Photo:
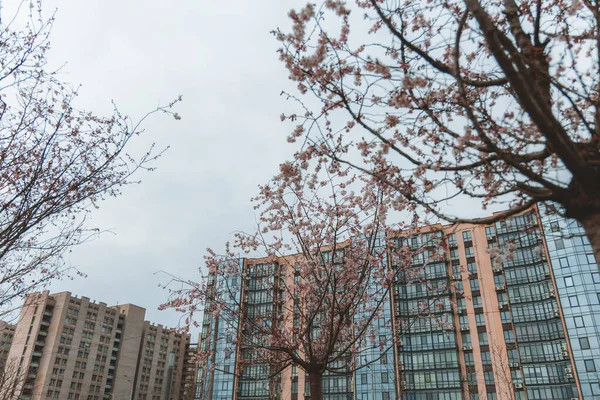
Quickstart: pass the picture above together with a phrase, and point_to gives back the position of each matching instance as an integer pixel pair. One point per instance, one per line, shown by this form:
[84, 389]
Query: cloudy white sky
[140, 53]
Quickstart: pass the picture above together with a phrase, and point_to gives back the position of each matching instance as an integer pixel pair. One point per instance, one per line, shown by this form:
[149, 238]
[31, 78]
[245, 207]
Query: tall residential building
[525, 326]
[75, 349]
[7, 331]
[161, 362]
[190, 372]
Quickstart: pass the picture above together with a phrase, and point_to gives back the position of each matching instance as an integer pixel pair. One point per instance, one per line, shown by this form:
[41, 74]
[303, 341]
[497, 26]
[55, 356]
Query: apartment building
[522, 326]
[161, 363]
[7, 332]
[73, 348]
[190, 372]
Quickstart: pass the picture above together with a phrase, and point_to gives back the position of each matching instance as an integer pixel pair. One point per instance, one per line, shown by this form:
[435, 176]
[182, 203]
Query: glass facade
[217, 379]
[261, 306]
[506, 311]
[578, 288]
[539, 368]
[428, 353]
[375, 377]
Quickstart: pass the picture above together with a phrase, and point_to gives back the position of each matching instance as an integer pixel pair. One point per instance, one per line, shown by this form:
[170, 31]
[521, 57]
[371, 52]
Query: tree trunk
[591, 224]
[316, 385]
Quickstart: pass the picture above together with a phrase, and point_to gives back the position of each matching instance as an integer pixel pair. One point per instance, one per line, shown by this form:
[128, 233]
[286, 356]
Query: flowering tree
[497, 101]
[319, 294]
[56, 162]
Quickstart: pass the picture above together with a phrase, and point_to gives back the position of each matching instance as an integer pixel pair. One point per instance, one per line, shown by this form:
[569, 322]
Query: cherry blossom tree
[56, 162]
[326, 260]
[497, 101]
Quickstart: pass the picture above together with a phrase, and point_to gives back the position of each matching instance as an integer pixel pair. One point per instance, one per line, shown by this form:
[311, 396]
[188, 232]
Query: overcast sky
[221, 57]
[140, 53]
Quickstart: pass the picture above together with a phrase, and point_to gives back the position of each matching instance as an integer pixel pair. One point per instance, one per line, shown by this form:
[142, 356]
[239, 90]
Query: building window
[469, 252]
[568, 281]
[461, 304]
[596, 277]
[474, 284]
[472, 267]
[469, 359]
[454, 254]
[467, 236]
[584, 343]
[452, 240]
[489, 377]
[483, 338]
[590, 366]
[578, 322]
[466, 339]
[384, 377]
[564, 262]
[486, 358]
[559, 244]
[573, 302]
[509, 336]
[464, 321]
[479, 319]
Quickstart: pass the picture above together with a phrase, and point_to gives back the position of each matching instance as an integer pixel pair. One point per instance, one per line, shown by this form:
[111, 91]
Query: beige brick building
[190, 373]
[161, 354]
[75, 349]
